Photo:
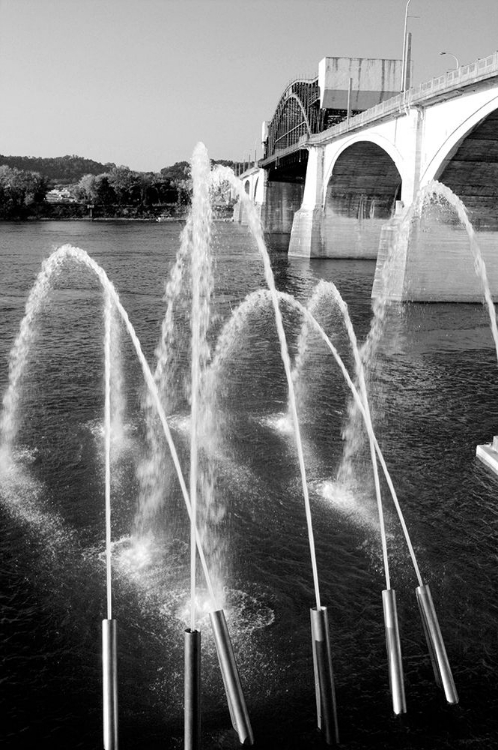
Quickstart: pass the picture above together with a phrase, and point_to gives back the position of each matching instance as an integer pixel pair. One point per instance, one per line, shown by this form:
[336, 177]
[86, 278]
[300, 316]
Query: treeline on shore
[71, 187]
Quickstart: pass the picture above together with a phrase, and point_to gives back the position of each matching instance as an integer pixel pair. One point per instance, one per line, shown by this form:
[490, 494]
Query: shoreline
[164, 220]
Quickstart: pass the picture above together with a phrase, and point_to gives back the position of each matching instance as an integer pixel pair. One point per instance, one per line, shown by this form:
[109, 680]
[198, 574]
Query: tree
[20, 191]
[124, 182]
[86, 189]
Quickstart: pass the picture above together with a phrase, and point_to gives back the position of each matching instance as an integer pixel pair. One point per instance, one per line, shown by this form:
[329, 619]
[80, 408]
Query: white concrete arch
[447, 149]
[335, 150]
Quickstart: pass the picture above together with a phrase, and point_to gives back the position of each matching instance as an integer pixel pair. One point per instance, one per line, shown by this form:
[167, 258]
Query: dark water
[434, 391]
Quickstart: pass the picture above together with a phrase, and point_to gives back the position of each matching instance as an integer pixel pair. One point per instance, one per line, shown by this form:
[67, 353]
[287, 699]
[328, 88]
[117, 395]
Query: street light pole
[403, 64]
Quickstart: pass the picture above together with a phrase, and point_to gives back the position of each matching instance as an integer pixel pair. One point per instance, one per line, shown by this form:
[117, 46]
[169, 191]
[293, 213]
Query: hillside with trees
[61, 170]
[73, 187]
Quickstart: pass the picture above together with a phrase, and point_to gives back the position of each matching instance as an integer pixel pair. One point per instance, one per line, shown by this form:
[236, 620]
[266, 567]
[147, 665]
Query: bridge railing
[483, 68]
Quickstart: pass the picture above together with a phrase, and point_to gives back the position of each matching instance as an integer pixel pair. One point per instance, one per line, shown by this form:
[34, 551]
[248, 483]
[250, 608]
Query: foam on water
[21, 494]
[349, 503]
[281, 422]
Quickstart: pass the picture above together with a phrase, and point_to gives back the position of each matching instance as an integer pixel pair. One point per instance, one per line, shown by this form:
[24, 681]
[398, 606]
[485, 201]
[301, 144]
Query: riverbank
[78, 212]
[97, 219]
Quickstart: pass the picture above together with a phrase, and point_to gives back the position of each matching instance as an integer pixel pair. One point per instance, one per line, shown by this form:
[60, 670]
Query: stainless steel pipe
[393, 646]
[326, 707]
[110, 684]
[192, 690]
[437, 650]
[231, 679]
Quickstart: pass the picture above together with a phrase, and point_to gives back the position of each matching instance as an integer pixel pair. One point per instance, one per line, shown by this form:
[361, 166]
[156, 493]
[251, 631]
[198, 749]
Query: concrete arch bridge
[342, 187]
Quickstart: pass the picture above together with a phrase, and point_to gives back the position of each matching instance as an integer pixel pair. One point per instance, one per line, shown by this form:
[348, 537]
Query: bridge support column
[426, 259]
[306, 234]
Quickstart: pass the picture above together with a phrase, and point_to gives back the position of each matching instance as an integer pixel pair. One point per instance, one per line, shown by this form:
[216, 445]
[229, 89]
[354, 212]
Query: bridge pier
[431, 261]
[306, 235]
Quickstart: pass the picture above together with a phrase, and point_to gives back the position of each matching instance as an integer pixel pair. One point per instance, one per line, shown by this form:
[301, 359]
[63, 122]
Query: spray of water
[20, 351]
[9, 422]
[202, 286]
[226, 174]
[230, 335]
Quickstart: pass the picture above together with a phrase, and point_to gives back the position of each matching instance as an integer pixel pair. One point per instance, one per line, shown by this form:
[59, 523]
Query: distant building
[60, 195]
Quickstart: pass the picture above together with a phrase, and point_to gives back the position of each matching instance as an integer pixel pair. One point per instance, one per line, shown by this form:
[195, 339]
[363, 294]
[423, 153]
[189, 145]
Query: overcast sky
[140, 82]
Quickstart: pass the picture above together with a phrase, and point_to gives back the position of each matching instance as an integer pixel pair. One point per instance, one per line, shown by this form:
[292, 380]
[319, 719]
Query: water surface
[433, 393]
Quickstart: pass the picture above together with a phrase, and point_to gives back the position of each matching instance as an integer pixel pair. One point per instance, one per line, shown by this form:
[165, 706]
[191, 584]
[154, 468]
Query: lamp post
[453, 56]
[403, 61]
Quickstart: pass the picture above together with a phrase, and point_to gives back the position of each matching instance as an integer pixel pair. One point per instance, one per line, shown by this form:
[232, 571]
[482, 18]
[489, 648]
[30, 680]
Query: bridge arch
[363, 179]
[467, 163]
[447, 149]
[296, 115]
[291, 122]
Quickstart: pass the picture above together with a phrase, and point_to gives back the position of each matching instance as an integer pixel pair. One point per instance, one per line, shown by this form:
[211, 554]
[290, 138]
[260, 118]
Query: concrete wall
[373, 81]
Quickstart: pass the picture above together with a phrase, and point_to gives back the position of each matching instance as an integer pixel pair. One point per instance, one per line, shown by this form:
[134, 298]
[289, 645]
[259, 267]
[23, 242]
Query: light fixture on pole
[453, 56]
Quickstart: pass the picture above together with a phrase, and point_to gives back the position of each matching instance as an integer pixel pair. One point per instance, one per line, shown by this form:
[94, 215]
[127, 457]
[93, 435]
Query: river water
[433, 389]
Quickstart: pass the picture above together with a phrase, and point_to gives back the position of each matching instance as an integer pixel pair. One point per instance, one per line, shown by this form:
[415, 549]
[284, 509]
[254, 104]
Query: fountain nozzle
[231, 680]
[437, 651]
[324, 680]
[192, 690]
[110, 684]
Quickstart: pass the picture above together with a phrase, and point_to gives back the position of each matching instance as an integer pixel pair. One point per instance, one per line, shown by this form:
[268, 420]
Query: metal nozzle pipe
[192, 690]
[326, 708]
[393, 646]
[231, 680]
[437, 651]
[110, 684]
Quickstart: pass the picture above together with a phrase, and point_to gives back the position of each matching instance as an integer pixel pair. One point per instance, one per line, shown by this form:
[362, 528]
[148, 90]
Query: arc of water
[19, 354]
[360, 370]
[360, 402]
[320, 289]
[255, 225]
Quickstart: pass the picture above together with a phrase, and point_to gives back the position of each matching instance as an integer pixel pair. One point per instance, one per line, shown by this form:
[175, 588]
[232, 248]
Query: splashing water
[19, 355]
[224, 173]
[202, 286]
[9, 423]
